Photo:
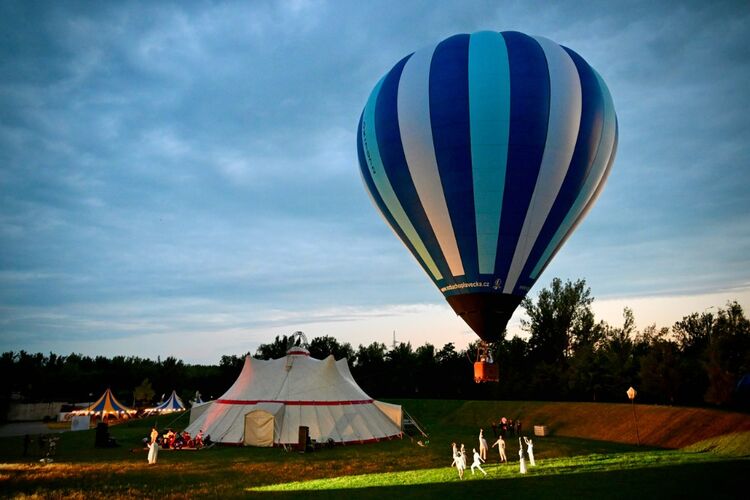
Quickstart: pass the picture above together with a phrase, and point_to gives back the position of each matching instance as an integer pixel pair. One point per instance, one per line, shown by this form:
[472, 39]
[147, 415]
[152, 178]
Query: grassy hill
[658, 426]
[576, 461]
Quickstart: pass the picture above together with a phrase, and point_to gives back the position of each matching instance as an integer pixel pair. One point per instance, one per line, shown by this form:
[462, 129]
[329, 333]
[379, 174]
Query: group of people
[507, 427]
[174, 441]
[459, 460]
[479, 457]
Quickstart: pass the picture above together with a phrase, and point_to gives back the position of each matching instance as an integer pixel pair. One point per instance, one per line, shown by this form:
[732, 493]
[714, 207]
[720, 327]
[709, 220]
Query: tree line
[567, 355]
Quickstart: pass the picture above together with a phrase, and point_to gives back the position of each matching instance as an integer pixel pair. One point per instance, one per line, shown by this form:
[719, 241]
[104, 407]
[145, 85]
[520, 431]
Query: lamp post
[631, 396]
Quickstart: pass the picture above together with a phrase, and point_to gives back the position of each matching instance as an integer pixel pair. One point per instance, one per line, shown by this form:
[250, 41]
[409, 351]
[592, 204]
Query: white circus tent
[271, 399]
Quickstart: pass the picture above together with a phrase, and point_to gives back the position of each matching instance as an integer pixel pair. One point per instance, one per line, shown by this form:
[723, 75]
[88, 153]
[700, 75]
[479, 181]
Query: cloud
[162, 159]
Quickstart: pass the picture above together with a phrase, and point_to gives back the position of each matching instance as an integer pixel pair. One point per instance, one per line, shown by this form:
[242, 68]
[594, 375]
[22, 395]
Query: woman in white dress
[521, 457]
[153, 447]
[530, 450]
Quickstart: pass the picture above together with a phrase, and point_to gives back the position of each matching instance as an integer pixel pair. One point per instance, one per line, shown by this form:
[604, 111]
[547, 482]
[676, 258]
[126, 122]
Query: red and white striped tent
[271, 399]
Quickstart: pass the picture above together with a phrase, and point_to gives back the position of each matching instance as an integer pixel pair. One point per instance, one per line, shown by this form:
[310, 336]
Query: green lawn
[567, 467]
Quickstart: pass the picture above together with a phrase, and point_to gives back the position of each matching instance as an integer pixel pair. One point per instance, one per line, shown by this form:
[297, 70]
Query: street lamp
[631, 396]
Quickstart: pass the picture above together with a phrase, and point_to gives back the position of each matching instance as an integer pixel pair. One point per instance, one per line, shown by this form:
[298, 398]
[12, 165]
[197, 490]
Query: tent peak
[298, 351]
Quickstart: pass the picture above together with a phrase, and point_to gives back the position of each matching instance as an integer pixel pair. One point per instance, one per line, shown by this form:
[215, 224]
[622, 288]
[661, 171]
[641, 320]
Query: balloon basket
[486, 372]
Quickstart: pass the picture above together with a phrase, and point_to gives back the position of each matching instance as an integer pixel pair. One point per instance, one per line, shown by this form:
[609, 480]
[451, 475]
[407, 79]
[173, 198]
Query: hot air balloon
[483, 153]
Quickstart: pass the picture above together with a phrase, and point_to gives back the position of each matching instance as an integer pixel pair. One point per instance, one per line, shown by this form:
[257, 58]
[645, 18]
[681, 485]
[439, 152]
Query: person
[494, 428]
[500, 443]
[521, 457]
[519, 430]
[187, 440]
[169, 438]
[482, 445]
[199, 439]
[477, 463]
[153, 447]
[530, 450]
[458, 462]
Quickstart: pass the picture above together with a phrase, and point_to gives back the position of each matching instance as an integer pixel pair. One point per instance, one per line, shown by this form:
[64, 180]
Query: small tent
[172, 404]
[197, 410]
[272, 399]
[106, 406]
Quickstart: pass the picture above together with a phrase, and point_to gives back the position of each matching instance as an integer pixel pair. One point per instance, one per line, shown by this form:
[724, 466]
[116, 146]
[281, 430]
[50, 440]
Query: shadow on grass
[726, 480]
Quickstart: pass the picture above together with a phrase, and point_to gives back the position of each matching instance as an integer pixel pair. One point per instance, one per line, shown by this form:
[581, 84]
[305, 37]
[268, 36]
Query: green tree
[369, 368]
[322, 347]
[727, 355]
[560, 318]
[144, 393]
[661, 380]
[618, 360]
[276, 349]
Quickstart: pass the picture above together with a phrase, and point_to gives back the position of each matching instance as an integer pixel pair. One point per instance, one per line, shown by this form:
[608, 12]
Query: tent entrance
[259, 428]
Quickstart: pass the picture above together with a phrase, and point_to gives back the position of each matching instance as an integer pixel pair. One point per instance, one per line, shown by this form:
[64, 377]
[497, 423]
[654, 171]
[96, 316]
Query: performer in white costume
[530, 450]
[153, 447]
[482, 445]
[500, 443]
[521, 456]
[477, 463]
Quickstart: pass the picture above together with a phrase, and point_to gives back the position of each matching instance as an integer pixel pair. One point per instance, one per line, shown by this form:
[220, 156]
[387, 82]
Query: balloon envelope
[483, 153]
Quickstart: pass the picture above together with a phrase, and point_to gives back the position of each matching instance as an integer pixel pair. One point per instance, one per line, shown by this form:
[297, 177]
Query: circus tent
[272, 399]
[106, 405]
[172, 404]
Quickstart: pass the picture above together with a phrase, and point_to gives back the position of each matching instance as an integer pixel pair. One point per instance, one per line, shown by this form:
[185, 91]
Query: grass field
[569, 466]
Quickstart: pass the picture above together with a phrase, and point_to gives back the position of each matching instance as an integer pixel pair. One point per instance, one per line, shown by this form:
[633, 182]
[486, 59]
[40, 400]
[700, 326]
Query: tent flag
[296, 390]
[106, 405]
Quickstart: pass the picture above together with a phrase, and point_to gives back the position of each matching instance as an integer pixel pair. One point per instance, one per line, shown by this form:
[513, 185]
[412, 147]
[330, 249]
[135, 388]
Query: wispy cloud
[190, 169]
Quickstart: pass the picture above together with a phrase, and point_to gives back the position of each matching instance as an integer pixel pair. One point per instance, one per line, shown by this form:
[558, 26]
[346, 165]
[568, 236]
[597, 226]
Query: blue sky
[180, 178]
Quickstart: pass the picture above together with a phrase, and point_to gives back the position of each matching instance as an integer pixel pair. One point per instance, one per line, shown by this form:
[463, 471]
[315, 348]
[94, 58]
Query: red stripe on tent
[353, 441]
[294, 403]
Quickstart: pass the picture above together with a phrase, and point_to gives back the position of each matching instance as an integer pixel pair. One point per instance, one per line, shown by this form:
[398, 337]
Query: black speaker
[304, 434]
[102, 435]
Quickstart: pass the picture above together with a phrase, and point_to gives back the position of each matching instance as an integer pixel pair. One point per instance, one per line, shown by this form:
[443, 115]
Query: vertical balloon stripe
[489, 105]
[593, 180]
[529, 111]
[383, 185]
[377, 200]
[416, 139]
[589, 134]
[600, 186]
[394, 161]
[592, 200]
[562, 132]
[451, 136]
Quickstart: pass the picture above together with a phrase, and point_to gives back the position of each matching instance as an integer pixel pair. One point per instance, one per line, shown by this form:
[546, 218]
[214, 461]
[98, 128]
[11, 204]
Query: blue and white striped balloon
[483, 153]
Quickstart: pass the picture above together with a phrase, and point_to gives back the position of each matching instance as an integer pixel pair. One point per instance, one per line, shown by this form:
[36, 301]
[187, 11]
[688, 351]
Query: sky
[181, 178]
